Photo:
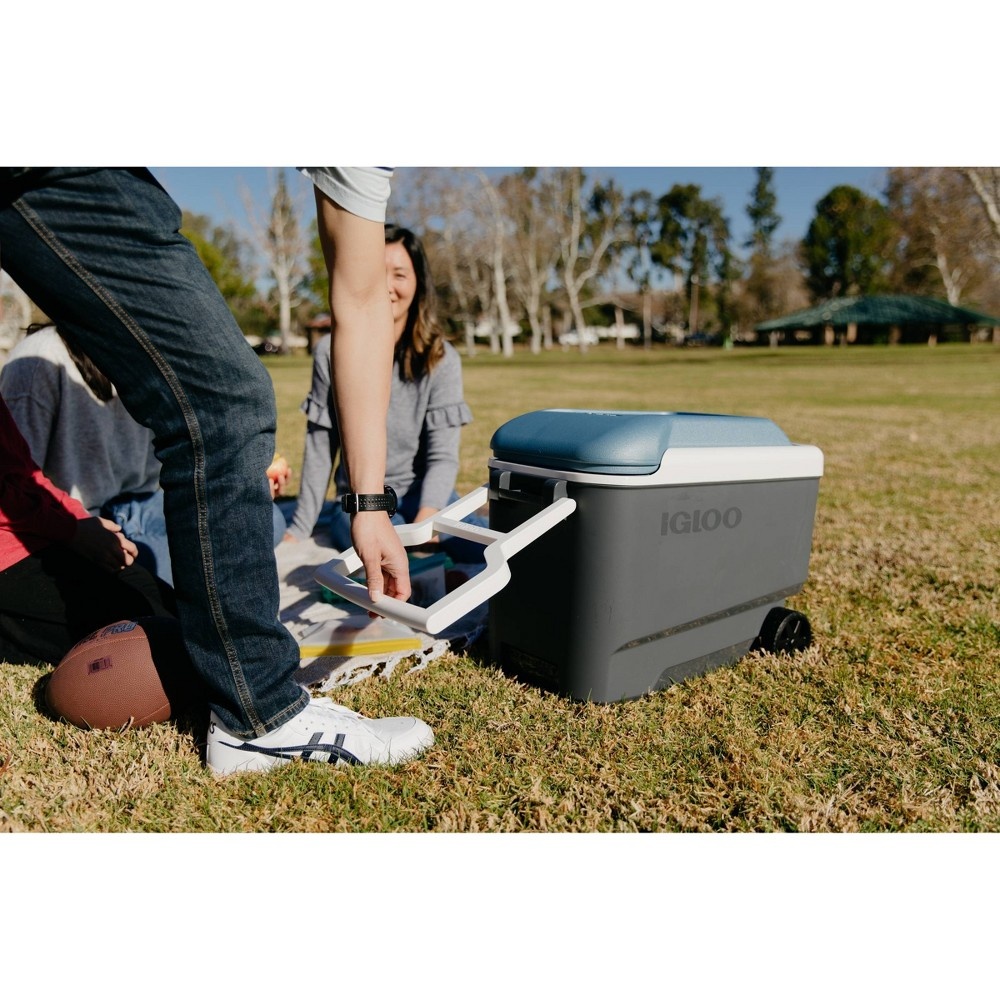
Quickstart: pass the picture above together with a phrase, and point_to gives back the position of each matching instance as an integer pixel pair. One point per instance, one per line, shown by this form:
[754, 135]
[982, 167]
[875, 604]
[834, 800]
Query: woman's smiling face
[401, 280]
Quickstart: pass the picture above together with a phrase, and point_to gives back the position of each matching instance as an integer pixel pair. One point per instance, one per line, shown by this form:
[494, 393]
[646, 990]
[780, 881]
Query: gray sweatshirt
[91, 449]
[424, 428]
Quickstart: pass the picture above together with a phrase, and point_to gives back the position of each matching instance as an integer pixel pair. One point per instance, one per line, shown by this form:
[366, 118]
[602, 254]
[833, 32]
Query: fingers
[102, 542]
[279, 472]
[380, 550]
[129, 549]
[127, 552]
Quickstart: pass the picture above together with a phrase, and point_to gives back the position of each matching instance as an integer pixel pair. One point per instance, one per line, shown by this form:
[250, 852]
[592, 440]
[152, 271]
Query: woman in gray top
[426, 412]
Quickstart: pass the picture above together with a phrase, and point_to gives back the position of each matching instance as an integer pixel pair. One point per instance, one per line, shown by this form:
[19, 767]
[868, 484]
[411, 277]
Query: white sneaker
[322, 731]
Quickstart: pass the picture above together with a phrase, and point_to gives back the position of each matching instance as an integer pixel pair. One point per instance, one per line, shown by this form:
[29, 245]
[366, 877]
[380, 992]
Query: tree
[847, 248]
[223, 253]
[764, 219]
[727, 270]
[497, 226]
[693, 239]
[761, 280]
[639, 265]
[782, 287]
[316, 283]
[437, 204]
[591, 227]
[985, 182]
[227, 258]
[529, 203]
[943, 239]
[283, 245]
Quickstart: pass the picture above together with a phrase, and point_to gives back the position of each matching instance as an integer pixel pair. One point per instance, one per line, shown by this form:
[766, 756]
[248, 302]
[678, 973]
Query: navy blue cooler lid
[622, 442]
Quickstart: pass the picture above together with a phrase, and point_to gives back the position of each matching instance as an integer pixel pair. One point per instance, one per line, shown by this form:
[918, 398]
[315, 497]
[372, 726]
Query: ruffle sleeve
[450, 415]
[318, 411]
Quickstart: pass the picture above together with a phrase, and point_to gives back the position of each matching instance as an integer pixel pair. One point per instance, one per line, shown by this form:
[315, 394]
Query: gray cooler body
[689, 530]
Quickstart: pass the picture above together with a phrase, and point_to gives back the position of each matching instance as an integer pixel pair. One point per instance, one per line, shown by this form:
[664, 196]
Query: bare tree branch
[283, 244]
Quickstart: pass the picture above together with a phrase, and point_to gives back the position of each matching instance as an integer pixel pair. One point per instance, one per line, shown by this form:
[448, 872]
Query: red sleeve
[33, 512]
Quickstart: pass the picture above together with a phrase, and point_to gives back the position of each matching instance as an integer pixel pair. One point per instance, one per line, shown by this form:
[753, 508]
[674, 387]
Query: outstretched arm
[362, 347]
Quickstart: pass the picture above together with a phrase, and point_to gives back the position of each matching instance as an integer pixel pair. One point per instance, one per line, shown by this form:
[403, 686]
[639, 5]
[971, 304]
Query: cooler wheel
[784, 631]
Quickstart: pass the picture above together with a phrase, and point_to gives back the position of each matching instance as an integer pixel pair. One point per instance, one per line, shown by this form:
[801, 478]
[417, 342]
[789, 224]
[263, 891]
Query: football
[128, 673]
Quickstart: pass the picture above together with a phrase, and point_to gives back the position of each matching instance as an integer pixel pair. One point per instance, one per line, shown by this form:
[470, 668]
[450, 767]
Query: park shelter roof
[879, 310]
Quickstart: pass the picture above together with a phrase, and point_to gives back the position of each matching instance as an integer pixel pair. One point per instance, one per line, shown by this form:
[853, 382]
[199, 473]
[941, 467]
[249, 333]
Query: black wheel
[784, 631]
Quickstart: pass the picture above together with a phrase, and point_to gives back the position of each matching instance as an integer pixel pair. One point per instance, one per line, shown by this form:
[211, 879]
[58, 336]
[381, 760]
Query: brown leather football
[128, 673]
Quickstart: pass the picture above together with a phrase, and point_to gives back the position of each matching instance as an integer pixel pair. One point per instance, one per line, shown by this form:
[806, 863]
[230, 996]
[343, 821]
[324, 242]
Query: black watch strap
[352, 503]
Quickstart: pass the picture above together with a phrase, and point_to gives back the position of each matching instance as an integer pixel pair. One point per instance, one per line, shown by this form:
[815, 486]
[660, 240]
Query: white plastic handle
[500, 546]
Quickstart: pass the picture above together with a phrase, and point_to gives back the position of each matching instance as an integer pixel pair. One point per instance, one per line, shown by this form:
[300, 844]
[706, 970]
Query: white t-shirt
[362, 191]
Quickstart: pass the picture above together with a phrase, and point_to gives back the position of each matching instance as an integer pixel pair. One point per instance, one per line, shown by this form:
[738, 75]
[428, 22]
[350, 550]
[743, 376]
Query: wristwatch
[353, 503]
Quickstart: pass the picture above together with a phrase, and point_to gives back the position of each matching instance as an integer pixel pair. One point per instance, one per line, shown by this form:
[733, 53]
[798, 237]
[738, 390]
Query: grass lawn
[888, 723]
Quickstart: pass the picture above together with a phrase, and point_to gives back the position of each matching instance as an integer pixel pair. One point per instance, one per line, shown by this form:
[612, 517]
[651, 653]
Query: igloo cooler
[627, 551]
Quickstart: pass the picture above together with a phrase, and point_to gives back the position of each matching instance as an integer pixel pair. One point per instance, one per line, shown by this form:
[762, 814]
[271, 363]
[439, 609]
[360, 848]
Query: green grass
[888, 723]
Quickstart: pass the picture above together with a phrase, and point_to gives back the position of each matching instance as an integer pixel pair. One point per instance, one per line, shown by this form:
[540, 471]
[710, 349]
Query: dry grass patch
[888, 723]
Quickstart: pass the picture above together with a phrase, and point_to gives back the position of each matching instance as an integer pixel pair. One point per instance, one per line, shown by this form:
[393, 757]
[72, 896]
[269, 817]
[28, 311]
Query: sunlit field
[887, 723]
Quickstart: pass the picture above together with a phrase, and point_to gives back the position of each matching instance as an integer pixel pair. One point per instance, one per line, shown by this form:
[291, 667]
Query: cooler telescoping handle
[500, 546]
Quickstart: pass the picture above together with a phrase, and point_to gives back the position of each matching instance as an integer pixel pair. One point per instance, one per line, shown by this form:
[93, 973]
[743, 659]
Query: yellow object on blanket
[358, 635]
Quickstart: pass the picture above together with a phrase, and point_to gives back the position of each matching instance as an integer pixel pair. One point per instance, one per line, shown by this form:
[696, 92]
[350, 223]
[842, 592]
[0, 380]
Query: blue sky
[216, 191]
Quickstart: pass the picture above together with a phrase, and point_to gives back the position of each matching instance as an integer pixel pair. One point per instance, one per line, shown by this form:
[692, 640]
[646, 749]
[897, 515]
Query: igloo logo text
[690, 522]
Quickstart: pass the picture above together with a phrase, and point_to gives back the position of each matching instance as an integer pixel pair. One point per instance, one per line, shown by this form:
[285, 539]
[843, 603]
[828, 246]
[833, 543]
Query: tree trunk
[979, 177]
[500, 283]
[536, 333]
[284, 309]
[693, 314]
[647, 320]
[577, 313]
[499, 274]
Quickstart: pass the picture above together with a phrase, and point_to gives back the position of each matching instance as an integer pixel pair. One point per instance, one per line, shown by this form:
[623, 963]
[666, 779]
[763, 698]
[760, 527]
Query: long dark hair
[421, 346]
[100, 385]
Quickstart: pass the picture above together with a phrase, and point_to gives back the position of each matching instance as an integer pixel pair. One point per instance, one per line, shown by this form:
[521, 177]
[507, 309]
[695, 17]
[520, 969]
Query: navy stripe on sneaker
[313, 741]
[335, 750]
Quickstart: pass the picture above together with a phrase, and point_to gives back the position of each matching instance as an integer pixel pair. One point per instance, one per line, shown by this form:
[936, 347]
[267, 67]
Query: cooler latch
[505, 485]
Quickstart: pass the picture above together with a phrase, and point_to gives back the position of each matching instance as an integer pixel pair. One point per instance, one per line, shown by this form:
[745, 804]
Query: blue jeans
[99, 251]
[140, 516]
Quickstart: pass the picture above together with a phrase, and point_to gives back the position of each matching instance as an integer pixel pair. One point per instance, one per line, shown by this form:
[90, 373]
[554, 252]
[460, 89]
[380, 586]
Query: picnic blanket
[305, 605]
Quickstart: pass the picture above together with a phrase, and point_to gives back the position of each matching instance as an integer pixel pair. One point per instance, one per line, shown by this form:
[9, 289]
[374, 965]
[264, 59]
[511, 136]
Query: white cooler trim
[696, 466]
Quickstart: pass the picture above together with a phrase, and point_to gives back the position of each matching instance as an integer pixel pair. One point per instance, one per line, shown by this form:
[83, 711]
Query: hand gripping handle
[500, 546]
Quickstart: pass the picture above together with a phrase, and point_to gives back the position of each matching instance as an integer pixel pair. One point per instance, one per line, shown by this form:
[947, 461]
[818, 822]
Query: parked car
[701, 339]
[572, 339]
[267, 345]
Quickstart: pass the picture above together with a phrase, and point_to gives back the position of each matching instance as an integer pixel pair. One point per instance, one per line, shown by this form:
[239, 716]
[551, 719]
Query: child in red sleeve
[63, 573]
